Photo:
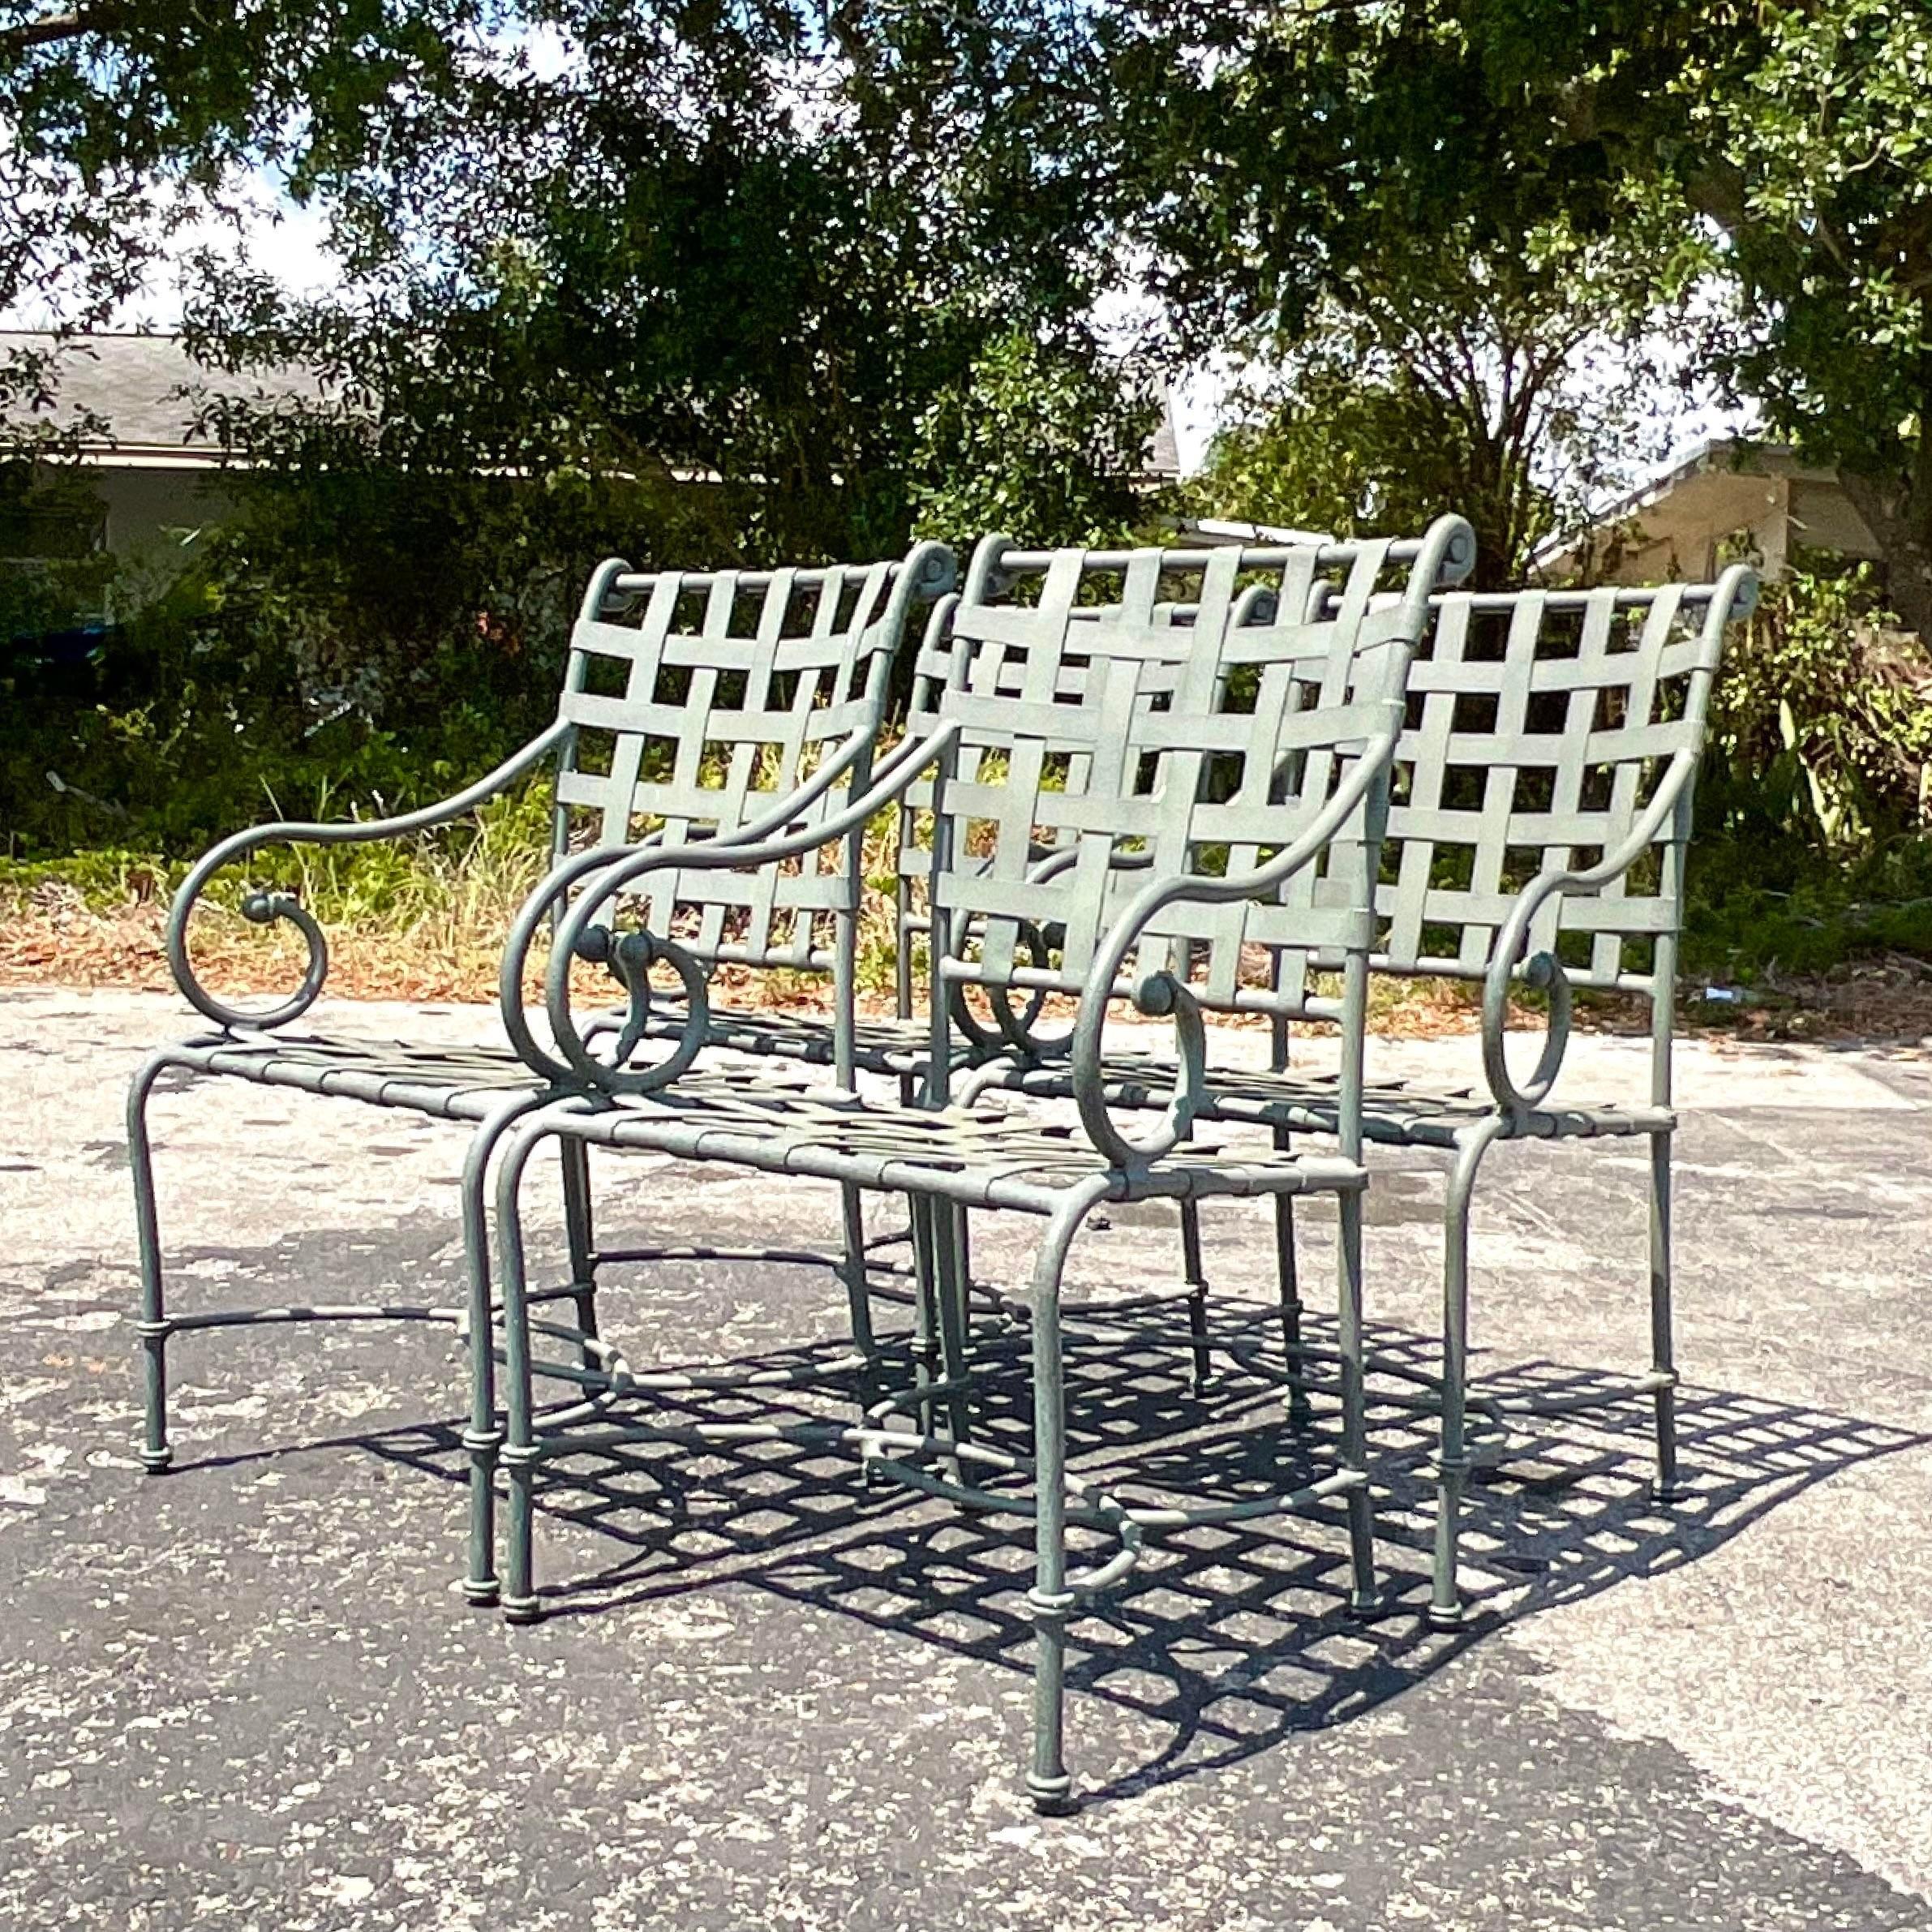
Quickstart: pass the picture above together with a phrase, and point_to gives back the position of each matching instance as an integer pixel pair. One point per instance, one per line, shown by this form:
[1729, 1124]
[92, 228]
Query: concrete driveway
[247, 1694]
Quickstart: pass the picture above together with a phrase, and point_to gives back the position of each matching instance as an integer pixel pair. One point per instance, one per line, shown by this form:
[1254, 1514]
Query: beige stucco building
[1686, 521]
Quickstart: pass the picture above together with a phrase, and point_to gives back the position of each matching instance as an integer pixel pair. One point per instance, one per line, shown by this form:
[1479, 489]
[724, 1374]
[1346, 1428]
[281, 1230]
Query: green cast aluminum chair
[1265, 745]
[694, 704]
[1536, 838]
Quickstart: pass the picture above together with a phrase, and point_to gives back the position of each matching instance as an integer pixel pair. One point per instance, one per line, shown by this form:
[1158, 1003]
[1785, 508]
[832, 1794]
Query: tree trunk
[1898, 511]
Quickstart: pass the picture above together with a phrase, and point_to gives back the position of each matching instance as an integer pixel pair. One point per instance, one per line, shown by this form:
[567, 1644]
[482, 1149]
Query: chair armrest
[262, 908]
[1161, 995]
[1544, 971]
[762, 843]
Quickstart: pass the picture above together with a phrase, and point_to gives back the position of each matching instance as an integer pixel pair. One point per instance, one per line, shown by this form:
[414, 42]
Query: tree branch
[42, 32]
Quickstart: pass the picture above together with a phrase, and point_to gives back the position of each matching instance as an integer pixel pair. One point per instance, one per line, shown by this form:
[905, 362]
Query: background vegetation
[783, 279]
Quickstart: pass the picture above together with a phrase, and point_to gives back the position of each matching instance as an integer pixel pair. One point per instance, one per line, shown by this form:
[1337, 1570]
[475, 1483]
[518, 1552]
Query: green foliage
[1822, 722]
[352, 638]
[1498, 377]
[1036, 441]
[119, 124]
[1742, 926]
[1776, 154]
[1812, 801]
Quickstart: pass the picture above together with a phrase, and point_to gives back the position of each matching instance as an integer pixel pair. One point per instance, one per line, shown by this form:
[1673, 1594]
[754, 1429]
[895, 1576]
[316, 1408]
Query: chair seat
[454, 1083]
[881, 1046]
[1393, 1112]
[464, 1083]
[982, 1156]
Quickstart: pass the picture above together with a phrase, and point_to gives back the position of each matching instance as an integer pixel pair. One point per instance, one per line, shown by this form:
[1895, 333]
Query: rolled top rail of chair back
[1540, 726]
[1128, 714]
[699, 701]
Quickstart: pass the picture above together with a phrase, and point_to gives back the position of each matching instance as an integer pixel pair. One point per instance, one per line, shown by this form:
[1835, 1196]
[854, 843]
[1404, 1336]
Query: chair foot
[1365, 1609]
[1053, 1797]
[1668, 1495]
[158, 1462]
[482, 1592]
[1442, 1617]
[522, 1610]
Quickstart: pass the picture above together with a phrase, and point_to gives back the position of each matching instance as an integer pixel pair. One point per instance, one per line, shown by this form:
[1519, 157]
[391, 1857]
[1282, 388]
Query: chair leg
[579, 1234]
[1355, 1420]
[1452, 1460]
[852, 1272]
[153, 1326]
[1669, 1488]
[1288, 1286]
[482, 1438]
[949, 1233]
[1197, 1292]
[1050, 1602]
[522, 1451]
[925, 1294]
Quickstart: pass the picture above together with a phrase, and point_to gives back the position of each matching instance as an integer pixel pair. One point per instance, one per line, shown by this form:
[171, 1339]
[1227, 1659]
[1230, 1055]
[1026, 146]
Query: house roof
[1680, 519]
[143, 386]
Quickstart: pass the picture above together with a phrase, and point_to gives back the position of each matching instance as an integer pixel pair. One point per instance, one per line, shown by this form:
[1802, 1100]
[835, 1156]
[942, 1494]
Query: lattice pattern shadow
[1229, 1638]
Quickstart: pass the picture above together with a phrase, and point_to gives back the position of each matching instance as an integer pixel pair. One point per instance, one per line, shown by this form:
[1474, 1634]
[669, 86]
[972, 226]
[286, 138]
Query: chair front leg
[522, 1451]
[1355, 1401]
[152, 1326]
[483, 1435]
[578, 1233]
[1288, 1290]
[1453, 1460]
[857, 1277]
[1197, 1276]
[1050, 1602]
[1669, 1486]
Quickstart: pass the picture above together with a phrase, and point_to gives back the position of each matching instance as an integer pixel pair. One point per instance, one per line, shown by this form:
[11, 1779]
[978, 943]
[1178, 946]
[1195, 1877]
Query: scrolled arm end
[1543, 972]
[629, 958]
[259, 908]
[264, 908]
[1160, 996]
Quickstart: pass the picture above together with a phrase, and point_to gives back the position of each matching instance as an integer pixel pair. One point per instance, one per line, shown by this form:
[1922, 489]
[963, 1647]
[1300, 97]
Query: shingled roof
[144, 387]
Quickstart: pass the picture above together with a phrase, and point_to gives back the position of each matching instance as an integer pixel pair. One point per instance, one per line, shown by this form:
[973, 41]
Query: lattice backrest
[699, 702]
[1539, 723]
[1094, 725]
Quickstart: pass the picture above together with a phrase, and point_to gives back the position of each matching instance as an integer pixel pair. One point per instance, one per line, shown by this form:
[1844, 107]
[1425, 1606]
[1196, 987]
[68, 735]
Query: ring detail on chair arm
[1160, 996]
[1543, 971]
[264, 908]
[551, 900]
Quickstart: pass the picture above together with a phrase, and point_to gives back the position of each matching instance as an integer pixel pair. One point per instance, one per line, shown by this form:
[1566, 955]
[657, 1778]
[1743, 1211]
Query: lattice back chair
[1222, 632]
[1199, 788]
[712, 705]
[721, 704]
[1537, 829]
[1095, 728]
[1536, 834]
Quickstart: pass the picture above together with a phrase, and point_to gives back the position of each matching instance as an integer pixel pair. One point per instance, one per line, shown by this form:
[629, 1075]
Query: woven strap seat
[1393, 1112]
[882, 1046]
[979, 1155]
[452, 1083]
[464, 1082]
